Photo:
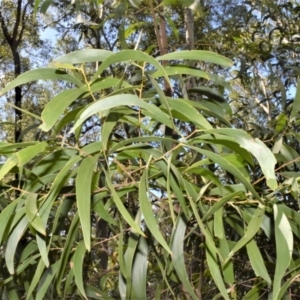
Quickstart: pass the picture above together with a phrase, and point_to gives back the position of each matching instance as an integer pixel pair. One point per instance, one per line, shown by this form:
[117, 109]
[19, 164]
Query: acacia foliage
[128, 213]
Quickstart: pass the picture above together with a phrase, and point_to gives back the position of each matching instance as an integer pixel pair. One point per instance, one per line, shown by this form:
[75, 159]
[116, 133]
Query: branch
[5, 30]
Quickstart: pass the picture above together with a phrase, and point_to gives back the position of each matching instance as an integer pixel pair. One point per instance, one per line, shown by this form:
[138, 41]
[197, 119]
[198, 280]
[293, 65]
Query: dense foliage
[166, 163]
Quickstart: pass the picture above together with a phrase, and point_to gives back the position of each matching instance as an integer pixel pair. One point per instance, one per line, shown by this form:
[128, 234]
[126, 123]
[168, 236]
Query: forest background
[149, 149]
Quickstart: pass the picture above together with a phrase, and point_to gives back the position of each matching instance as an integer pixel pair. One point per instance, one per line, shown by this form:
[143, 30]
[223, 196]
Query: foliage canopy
[158, 173]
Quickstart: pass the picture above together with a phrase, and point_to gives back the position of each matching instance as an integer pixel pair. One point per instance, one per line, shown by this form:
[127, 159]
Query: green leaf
[46, 280]
[186, 112]
[130, 55]
[139, 270]
[12, 243]
[201, 55]
[257, 148]
[228, 271]
[57, 106]
[40, 74]
[121, 100]
[296, 103]
[257, 262]
[5, 217]
[42, 245]
[36, 278]
[148, 212]
[73, 230]
[214, 268]
[122, 209]
[208, 92]
[77, 266]
[83, 196]
[101, 210]
[250, 231]
[32, 213]
[222, 162]
[254, 293]
[284, 248]
[178, 256]
[230, 197]
[181, 70]
[84, 56]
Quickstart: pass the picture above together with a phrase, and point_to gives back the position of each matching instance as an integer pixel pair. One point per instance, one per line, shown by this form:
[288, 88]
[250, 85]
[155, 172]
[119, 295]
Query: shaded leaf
[83, 196]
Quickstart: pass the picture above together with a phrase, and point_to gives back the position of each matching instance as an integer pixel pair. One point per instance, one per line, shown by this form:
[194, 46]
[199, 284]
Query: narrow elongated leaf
[257, 262]
[122, 209]
[201, 55]
[5, 217]
[84, 56]
[66, 251]
[26, 155]
[250, 231]
[121, 100]
[180, 70]
[222, 162]
[43, 249]
[148, 212]
[208, 92]
[178, 256]
[9, 164]
[40, 74]
[228, 272]
[284, 248]
[139, 270]
[33, 214]
[107, 127]
[189, 112]
[55, 108]
[221, 203]
[77, 265]
[36, 278]
[214, 269]
[102, 211]
[94, 293]
[130, 55]
[254, 293]
[46, 280]
[83, 197]
[12, 243]
[257, 148]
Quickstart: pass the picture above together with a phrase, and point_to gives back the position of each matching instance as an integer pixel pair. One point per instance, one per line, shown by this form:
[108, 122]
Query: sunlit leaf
[201, 55]
[284, 248]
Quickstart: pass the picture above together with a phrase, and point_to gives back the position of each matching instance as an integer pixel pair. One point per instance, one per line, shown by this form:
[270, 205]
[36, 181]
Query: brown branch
[17, 22]
[276, 170]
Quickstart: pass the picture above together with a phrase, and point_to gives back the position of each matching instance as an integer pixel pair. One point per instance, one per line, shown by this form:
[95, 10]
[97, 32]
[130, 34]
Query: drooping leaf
[139, 269]
[130, 55]
[148, 212]
[250, 231]
[32, 213]
[83, 196]
[121, 100]
[284, 248]
[259, 150]
[77, 266]
[12, 243]
[40, 74]
[201, 55]
[57, 105]
[84, 56]
[178, 256]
